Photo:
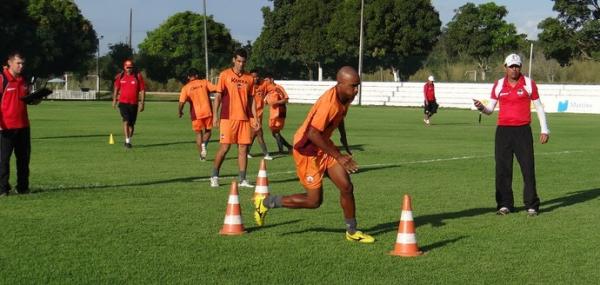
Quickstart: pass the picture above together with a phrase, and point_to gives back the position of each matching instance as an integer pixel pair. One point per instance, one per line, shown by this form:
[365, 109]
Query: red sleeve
[141, 83]
[117, 82]
[534, 91]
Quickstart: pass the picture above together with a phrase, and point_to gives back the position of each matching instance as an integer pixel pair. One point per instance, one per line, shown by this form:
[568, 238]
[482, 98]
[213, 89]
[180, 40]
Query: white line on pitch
[409, 162]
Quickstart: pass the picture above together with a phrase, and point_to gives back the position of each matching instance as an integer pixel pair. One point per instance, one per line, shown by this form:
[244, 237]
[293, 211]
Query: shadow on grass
[251, 229]
[100, 186]
[319, 229]
[439, 244]
[435, 220]
[71, 137]
[571, 199]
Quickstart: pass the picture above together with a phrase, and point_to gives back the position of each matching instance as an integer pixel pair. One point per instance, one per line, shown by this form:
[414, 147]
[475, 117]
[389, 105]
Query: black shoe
[128, 145]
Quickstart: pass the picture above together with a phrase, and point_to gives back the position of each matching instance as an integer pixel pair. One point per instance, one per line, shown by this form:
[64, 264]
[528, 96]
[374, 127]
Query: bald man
[315, 154]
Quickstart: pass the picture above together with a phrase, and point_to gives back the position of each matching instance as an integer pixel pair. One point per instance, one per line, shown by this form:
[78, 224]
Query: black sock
[242, 175]
[351, 225]
[215, 172]
[272, 201]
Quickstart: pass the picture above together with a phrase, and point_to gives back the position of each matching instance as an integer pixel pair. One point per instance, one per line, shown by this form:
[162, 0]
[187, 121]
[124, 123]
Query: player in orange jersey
[277, 98]
[316, 155]
[197, 91]
[237, 107]
[259, 100]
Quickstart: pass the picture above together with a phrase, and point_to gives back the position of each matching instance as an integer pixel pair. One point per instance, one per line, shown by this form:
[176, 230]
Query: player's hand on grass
[348, 163]
[544, 138]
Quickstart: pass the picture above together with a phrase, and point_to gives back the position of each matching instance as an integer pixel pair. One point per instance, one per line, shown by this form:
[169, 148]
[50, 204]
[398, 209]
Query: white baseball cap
[512, 59]
[430, 78]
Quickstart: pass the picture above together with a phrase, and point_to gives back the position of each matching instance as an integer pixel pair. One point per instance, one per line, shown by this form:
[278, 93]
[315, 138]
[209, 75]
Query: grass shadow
[439, 244]
[251, 229]
[100, 186]
[571, 199]
[70, 137]
[435, 220]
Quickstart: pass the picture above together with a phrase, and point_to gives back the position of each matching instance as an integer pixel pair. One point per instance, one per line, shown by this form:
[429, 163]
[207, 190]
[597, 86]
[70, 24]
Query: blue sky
[244, 17]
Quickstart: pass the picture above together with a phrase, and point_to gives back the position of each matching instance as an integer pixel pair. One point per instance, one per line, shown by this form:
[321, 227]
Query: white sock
[127, 140]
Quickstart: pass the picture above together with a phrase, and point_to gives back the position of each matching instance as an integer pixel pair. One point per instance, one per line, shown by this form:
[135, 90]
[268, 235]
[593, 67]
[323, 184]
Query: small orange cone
[262, 182]
[233, 218]
[111, 139]
[406, 241]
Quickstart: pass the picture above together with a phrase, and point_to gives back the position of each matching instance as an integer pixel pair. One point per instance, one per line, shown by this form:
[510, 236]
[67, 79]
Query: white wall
[555, 97]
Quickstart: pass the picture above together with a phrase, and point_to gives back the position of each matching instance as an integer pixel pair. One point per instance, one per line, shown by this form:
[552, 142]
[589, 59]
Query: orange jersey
[276, 93]
[236, 95]
[197, 93]
[325, 115]
[260, 92]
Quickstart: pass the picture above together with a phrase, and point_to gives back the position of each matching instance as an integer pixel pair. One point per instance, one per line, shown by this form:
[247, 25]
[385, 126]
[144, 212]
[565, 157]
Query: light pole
[360, 50]
[97, 63]
[206, 45]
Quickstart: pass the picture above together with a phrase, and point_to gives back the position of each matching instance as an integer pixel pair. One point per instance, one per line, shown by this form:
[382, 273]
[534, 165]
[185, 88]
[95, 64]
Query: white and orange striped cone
[406, 241]
[262, 182]
[233, 218]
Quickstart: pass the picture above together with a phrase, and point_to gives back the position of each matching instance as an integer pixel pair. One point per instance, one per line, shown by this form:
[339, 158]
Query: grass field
[100, 214]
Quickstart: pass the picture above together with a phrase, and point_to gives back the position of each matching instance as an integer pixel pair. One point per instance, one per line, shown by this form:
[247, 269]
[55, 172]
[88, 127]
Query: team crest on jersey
[520, 92]
[310, 179]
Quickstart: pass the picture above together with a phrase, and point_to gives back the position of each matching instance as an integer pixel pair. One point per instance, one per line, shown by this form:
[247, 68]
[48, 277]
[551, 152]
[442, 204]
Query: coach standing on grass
[129, 90]
[15, 134]
[513, 134]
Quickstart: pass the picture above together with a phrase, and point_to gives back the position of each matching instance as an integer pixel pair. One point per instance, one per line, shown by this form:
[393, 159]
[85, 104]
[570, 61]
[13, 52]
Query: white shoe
[249, 156]
[268, 157]
[214, 181]
[203, 154]
[426, 122]
[246, 184]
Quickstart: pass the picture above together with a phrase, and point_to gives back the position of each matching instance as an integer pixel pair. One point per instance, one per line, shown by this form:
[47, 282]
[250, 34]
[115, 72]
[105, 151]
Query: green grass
[100, 214]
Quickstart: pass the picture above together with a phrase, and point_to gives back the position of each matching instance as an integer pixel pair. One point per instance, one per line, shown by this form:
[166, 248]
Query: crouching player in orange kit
[316, 155]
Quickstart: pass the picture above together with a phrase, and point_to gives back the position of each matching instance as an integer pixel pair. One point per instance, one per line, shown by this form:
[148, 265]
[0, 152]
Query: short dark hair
[14, 54]
[241, 53]
[269, 75]
[193, 72]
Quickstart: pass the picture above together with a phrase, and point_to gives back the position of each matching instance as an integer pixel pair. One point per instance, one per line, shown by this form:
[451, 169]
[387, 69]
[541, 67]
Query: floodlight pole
[530, 58]
[360, 50]
[130, 24]
[206, 45]
[97, 63]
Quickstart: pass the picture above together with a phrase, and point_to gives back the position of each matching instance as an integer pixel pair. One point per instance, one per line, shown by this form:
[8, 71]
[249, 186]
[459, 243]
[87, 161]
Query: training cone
[406, 241]
[233, 218]
[111, 139]
[262, 182]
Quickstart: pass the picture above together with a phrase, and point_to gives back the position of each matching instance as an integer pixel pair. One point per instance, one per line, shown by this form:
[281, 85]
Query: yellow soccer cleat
[260, 211]
[361, 237]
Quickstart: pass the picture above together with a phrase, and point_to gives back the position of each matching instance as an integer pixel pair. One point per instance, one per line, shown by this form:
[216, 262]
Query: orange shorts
[276, 124]
[202, 124]
[311, 169]
[235, 132]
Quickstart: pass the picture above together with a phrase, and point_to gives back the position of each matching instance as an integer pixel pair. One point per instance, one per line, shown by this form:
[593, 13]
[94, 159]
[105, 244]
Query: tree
[178, 44]
[480, 33]
[65, 40]
[400, 34]
[52, 34]
[298, 35]
[293, 39]
[575, 33]
[112, 63]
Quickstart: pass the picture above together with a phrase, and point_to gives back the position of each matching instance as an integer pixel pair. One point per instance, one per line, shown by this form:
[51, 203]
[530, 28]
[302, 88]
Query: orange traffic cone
[262, 182]
[233, 218]
[406, 241]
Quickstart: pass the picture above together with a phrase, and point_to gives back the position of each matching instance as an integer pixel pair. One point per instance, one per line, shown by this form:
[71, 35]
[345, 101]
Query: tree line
[300, 35]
